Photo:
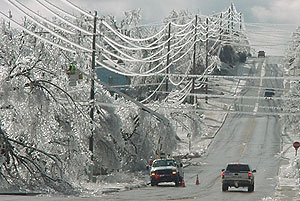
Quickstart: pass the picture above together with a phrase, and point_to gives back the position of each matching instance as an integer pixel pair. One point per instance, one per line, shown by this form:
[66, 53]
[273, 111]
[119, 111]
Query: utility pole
[221, 24]
[229, 14]
[92, 94]
[206, 61]
[193, 98]
[168, 57]
[232, 25]
[241, 21]
[10, 16]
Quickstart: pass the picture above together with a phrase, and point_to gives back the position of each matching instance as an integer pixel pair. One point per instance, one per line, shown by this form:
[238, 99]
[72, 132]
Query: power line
[37, 36]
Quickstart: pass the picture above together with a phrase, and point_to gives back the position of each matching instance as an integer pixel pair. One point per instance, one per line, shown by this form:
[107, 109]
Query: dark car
[269, 93]
[261, 54]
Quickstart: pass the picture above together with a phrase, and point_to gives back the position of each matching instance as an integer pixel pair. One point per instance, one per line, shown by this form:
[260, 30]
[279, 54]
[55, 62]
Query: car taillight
[174, 172]
[223, 174]
[152, 173]
[249, 175]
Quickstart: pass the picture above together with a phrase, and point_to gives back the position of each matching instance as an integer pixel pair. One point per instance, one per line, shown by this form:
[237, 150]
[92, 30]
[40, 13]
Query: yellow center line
[248, 136]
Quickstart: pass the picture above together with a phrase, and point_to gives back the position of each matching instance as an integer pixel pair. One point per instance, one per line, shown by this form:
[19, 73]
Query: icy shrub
[292, 170]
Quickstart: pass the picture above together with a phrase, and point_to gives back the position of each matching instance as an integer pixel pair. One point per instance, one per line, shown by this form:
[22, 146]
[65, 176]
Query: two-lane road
[254, 139]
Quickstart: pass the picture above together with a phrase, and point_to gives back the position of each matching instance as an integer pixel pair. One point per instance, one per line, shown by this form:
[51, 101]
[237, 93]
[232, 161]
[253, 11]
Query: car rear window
[269, 93]
[237, 168]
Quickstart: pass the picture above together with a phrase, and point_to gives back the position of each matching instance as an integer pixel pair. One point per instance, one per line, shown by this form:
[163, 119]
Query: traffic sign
[296, 145]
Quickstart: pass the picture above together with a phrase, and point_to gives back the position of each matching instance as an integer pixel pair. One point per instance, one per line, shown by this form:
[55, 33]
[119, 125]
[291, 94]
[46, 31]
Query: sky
[271, 11]
[280, 15]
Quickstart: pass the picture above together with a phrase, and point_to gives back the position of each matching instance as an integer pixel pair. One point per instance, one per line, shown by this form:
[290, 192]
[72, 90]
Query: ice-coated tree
[291, 105]
[45, 121]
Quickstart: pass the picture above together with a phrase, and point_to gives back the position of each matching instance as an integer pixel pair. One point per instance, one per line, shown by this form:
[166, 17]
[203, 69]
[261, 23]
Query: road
[254, 139]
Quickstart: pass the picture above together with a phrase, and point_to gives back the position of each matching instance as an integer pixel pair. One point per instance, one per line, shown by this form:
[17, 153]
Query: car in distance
[238, 175]
[166, 170]
[261, 54]
[269, 93]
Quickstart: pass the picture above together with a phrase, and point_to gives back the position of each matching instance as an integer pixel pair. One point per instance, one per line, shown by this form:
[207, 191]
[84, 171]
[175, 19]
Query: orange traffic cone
[197, 180]
[182, 183]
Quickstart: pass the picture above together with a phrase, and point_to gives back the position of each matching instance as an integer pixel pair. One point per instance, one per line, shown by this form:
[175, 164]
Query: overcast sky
[272, 11]
[267, 12]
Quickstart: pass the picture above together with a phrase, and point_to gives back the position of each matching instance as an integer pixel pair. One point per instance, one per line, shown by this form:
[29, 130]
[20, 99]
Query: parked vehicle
[238, 175]
[166, 170]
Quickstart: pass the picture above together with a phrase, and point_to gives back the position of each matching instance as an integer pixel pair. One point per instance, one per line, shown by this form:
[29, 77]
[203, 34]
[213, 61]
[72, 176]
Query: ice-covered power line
[179, 96]
[129, 58]
[37, 35]
[154, 92]
[134, 39]
[182, 78]
[230, 96]
[57, 8]
[42, 18]
[78, 8]
[63, 19]
[50, 30]
[173, 107]
[131, 44]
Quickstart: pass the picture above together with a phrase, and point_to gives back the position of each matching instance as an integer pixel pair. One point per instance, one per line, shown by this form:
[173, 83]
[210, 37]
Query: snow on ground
[118, 181]
[288, 180]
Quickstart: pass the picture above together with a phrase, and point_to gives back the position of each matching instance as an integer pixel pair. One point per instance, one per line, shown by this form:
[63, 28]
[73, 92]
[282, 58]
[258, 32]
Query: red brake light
[249, 175]
[223, 174]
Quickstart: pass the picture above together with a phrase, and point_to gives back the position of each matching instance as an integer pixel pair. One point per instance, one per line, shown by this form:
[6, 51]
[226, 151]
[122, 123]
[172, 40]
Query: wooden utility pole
[168, 57]
[92, 94]
[221, 24]
[206, 61]
[232, 25]
[241, 21]
[193, 98]
[10, 16]
[229, 14]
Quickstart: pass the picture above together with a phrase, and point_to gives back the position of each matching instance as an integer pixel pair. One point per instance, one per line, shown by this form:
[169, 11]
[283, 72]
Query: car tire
[153, 183]
[251, 188]
[176, 182]
[180, 180]
[224, 187]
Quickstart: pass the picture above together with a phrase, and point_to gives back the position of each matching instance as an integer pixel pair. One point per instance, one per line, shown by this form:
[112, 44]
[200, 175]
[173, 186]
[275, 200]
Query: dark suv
[238, 175]
[269, 93]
